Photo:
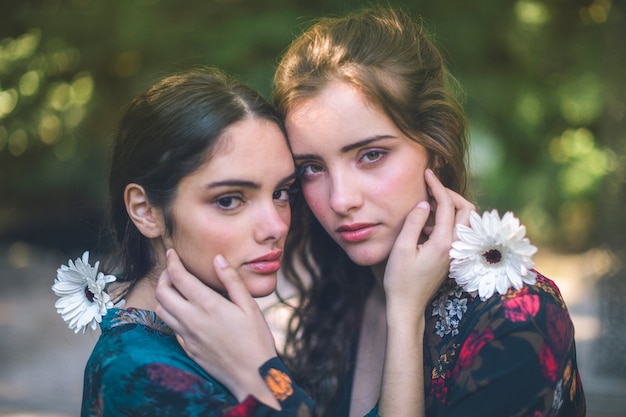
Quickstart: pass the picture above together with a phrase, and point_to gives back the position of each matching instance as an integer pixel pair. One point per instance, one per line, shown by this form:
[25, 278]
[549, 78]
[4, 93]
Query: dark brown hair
[167, 133]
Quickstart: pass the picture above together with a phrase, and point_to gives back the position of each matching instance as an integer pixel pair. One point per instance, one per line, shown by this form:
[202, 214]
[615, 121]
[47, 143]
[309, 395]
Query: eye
[372, 156]
[286, 194]
[309, 169]
[229, 202]
[281, 195]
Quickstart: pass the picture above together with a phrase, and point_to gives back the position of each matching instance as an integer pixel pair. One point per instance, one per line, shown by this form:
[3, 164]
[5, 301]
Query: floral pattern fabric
[510, 355]
[137, 368]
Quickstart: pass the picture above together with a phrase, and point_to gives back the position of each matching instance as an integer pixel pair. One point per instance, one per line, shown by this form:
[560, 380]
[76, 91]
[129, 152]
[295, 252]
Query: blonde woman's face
[237, 205]
[360, 174]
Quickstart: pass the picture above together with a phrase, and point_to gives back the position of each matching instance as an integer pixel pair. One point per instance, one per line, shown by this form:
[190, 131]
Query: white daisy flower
[492, 255]
[83, 300]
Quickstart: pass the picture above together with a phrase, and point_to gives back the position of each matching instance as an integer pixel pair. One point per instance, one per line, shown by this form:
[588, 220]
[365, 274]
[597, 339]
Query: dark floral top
[137, 368]
[510, 355]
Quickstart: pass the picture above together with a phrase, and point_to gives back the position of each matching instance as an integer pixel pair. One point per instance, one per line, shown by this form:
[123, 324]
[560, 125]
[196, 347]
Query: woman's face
[237, 205]
[361, 175]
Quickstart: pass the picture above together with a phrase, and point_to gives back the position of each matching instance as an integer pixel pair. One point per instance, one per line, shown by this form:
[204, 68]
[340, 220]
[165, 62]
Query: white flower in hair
[492, 255]
[83, 299]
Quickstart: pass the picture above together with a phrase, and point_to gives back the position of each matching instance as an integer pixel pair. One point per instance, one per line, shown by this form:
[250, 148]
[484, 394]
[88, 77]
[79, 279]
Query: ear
[148, 219]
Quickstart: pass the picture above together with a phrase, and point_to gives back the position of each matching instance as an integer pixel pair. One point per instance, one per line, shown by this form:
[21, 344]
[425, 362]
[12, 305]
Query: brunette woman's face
[237, 205]
[361, 175]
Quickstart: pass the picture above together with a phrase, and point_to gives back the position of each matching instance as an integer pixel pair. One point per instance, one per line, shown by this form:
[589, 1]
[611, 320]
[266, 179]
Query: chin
[261, 287]
[367, 257]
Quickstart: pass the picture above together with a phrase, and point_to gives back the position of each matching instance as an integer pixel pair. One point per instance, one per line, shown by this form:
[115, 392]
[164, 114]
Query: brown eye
[281, 195]
[372, 156]
[308, 170]
[229, 202]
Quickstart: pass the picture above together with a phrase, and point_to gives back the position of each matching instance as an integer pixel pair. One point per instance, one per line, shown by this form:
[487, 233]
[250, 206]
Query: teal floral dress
[137, 368]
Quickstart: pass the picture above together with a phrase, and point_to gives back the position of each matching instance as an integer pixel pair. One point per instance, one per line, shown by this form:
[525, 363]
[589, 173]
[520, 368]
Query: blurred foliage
[544, 85]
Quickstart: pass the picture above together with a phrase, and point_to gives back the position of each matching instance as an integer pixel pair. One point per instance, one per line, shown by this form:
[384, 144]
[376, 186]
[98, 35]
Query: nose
[345, 194]
[272, 223]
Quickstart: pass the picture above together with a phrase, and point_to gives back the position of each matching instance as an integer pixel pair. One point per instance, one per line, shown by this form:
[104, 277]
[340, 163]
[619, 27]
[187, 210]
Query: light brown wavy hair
[390, 58]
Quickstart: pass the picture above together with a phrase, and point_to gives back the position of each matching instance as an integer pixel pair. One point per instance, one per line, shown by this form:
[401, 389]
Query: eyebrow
[248, 184]
[351, 146]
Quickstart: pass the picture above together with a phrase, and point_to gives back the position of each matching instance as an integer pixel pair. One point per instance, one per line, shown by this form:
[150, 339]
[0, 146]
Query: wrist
[404, 316]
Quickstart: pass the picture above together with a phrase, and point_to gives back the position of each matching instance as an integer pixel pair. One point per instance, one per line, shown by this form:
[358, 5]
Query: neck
[142, 295]
[379, 273]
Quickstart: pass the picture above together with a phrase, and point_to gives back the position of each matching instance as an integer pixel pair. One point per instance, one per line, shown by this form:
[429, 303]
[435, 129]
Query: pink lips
[266, 264]
[356, 232]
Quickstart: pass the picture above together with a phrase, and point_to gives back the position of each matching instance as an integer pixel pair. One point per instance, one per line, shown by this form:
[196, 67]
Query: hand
[228, 339]
[419, 260]
[418, 264]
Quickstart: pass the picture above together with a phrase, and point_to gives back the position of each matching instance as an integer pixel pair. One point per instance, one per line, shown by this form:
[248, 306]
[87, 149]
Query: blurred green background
[544, 80]
[545, 90]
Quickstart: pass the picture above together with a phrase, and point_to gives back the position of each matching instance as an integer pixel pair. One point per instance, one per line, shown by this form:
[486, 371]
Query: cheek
[286, 217]
[397, 193]
[408, 186]
[196, 247]
[315, 198]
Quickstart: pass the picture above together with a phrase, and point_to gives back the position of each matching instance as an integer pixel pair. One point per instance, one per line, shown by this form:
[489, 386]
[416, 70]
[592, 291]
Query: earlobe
[147, 219]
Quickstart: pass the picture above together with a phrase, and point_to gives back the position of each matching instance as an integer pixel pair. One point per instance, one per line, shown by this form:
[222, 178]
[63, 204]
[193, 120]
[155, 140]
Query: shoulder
[544, 292]
[540, 304]
[531, 323]
[133, 317]
[133, 345]
[130, 367]
[131, 337]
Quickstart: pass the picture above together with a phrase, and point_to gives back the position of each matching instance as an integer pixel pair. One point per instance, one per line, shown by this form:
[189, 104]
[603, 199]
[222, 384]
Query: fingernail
[423, 204]
[221, 261]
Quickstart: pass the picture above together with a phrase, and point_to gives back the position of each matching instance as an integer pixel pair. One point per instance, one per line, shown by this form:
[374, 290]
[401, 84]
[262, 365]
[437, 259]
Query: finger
[445, 211]
[413, 226]
[181, 342]
[463, 208]
[187, 284]
[169, 319]
[236, 288]
[165, 292]
[170, 303]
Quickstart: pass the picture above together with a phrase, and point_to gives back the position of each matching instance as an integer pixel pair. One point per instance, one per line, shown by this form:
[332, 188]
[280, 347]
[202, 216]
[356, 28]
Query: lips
[266, 264]
[356, 232]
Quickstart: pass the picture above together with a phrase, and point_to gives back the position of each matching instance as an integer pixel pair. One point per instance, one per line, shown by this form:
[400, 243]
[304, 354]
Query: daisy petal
[83, 300]
[492, 255]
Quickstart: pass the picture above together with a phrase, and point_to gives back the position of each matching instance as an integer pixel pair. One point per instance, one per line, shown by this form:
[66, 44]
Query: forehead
[253, 147]
[338, 113]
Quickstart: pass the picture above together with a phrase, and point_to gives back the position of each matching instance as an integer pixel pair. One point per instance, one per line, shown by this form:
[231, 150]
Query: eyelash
[220, 200]
[379, 155]
[223, 201]
[289, 191]
[302, 169]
